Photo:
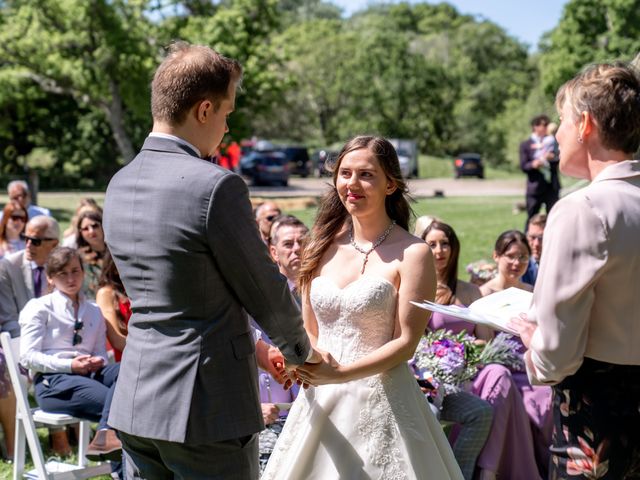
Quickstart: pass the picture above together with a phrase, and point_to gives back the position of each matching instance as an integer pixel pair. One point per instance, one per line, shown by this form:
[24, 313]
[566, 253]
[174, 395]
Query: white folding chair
[26, 420]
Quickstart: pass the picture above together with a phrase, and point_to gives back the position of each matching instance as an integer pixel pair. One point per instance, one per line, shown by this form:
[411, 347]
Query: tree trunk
[115, 117]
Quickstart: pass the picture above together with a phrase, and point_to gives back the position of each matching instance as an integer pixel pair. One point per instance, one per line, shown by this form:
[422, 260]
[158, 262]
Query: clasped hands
[86, 364]
[320, 369]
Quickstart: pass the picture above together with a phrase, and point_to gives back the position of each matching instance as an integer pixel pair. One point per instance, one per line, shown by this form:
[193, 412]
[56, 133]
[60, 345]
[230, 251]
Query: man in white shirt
[18, 191]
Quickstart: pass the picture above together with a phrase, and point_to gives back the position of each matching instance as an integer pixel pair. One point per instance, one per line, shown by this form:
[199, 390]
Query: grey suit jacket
[16, 289]
[183, 237]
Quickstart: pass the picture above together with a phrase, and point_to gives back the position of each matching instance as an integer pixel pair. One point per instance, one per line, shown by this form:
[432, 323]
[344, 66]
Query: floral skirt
[596, 432]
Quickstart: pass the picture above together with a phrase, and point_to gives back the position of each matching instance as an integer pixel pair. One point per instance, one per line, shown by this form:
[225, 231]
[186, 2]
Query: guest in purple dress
[509, 450]
[512, 253]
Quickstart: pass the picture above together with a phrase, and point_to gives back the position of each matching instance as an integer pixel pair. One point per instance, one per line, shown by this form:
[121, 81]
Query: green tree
[589, 31]
[96, 51]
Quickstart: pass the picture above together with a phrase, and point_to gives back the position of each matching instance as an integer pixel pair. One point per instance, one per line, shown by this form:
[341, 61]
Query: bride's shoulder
[413, 248]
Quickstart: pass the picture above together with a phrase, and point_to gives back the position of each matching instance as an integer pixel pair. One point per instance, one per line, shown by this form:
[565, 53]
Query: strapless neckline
[374, 278]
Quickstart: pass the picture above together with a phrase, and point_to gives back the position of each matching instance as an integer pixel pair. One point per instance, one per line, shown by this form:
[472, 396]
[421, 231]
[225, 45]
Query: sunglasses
[271, 218]
[16, 218]
[77, 338]
[35, 241]
[93, 226]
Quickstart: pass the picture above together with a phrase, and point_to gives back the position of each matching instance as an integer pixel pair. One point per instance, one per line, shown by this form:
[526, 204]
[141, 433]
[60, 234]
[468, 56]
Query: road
[465, 187]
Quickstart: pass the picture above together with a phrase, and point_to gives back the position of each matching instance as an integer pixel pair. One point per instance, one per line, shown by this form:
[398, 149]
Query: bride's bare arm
[309, 319]
[417, 282]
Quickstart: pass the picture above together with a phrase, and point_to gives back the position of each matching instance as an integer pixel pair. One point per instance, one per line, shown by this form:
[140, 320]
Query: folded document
[494, 310]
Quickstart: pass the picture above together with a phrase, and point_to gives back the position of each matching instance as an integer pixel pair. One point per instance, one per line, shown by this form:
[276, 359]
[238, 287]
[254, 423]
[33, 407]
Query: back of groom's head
[188, 75]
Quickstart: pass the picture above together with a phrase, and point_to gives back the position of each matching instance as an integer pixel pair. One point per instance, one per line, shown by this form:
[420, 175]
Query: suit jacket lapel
[28, 277]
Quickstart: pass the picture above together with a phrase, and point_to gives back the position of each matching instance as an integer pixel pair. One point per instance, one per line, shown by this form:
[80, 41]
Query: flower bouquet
[448, 361]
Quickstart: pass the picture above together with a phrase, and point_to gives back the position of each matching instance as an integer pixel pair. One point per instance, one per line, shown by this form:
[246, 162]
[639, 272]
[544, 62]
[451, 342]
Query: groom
[181, 232]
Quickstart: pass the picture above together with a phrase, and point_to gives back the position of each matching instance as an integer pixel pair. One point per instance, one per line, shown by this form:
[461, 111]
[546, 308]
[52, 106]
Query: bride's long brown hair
[332, 214]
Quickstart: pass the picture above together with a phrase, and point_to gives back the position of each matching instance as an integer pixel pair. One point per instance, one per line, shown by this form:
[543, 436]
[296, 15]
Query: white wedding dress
[378, 427]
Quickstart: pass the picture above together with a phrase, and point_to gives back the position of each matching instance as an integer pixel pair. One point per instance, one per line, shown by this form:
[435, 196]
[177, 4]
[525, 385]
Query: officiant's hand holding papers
[524, 327]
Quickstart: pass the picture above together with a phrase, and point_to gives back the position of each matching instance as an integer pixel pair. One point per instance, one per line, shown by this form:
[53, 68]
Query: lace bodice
[356, 319]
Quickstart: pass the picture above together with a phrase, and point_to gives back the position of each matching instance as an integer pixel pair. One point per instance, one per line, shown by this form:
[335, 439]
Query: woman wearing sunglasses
[63, 338]
[12, 225]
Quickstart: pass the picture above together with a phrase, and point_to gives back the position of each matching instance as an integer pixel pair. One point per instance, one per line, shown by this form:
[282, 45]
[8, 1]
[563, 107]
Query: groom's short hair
[190, 74]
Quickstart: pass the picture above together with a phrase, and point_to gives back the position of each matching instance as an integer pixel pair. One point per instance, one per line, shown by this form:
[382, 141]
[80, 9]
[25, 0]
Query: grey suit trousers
[148, 459]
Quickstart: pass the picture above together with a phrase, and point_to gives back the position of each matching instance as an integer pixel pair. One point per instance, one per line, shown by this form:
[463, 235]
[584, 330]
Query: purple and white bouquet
[448, 361]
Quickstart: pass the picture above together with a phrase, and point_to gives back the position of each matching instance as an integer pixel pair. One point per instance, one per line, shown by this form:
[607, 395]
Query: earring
[579, 139]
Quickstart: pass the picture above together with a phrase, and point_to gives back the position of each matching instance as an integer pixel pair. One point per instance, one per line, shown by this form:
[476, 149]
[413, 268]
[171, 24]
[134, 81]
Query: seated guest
[12, 225]
[63, 344]
[535, 233]
[22, 273]
[114, 305]
[18, 191]
[91, 246]
[265, 213]
[508, 451]
[69, 235]
[21, 279]
[285, 244]
[512, 253]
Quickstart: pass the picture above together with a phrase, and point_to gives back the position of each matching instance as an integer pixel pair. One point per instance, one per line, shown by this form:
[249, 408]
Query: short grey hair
[49, 224]
[18, 183]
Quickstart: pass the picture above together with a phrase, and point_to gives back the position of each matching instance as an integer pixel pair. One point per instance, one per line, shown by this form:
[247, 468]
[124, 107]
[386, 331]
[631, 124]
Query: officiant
[586, 302]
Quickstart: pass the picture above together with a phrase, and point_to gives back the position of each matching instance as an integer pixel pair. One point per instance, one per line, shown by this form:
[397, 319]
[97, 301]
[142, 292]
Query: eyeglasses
[35, 241]
[77, 338]
[531, 238]
[271, 218]
[517, 258]
[93, 226]
[17, 218]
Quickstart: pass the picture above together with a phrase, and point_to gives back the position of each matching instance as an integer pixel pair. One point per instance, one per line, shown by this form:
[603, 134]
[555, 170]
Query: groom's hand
[271, 360]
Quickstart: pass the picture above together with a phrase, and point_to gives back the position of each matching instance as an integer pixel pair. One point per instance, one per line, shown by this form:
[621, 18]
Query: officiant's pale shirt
[587, 297]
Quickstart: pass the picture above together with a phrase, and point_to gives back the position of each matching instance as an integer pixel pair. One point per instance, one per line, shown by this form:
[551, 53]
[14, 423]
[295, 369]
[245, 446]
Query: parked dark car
[299, 162]
[266, 168]
[468, 165]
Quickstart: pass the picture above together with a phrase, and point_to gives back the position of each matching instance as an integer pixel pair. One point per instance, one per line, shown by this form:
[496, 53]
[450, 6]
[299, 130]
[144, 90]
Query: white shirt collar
[60, 298]
[181, 141]
[626, 168]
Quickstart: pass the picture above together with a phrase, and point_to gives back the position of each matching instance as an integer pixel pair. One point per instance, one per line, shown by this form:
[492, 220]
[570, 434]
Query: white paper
[494, 310]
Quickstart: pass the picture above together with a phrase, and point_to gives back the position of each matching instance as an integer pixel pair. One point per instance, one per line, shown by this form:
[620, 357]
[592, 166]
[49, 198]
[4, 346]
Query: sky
[526, 20]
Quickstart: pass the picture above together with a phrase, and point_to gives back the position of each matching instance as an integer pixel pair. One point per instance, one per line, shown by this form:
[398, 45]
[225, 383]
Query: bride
[366, 418]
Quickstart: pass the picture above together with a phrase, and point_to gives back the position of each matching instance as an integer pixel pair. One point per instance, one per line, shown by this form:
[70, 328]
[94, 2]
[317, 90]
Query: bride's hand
[327, 371]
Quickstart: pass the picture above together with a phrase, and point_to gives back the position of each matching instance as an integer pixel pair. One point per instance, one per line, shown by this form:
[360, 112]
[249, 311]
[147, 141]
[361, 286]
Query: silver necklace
[374, 245]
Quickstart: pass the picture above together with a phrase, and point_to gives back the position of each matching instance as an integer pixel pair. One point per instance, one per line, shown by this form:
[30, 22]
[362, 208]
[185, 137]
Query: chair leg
[34, 447]
[19, 451]
[83, 442]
